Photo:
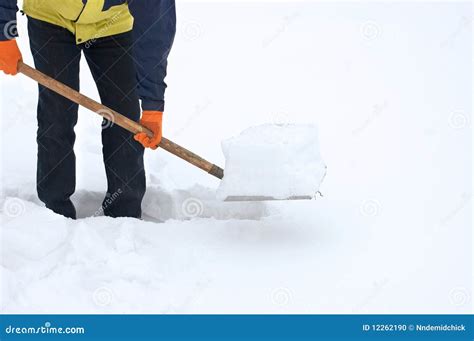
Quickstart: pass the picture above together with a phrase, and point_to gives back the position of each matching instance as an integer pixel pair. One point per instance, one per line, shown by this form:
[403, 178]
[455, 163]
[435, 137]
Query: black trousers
[56, 54]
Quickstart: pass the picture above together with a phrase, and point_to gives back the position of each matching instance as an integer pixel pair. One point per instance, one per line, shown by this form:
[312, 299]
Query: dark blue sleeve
[8, 9]
[154, 30]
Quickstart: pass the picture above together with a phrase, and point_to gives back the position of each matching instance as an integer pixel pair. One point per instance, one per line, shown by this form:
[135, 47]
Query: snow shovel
[135, 128]
[118, 119]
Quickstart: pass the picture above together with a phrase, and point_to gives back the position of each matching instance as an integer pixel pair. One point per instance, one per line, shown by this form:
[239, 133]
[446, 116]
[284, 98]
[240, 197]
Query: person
[126, 45]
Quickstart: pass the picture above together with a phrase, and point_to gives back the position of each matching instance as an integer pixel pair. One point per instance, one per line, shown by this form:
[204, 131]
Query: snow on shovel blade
[272, 162]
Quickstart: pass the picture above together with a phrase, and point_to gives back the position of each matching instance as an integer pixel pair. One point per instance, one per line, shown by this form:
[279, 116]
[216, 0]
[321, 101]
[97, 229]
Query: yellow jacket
[154, 29]
[89, 21]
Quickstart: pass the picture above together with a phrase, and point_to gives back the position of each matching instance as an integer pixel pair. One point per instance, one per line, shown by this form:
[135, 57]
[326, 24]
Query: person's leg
[113, 70]
[55, 53]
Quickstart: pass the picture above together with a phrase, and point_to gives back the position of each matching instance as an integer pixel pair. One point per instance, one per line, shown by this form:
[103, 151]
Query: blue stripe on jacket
[154, 31]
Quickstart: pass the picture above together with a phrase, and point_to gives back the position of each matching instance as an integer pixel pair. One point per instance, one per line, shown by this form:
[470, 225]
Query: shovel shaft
[117, 118]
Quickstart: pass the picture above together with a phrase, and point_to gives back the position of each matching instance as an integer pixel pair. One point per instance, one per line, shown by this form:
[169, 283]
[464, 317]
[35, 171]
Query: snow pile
[278, 161]
[97, 265]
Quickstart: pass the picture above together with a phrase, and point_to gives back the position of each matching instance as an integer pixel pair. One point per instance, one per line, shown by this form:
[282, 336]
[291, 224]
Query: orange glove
[153, 121]
[10, 55]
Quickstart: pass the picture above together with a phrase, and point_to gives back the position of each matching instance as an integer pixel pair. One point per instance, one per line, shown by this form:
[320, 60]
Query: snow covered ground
[389, 86]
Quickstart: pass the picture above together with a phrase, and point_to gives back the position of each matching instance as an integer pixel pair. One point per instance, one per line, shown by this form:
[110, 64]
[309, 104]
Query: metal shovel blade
[264, 198]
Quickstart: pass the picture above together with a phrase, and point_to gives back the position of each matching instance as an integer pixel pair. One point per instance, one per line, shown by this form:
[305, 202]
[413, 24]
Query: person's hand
[10, 55]
[153, 121]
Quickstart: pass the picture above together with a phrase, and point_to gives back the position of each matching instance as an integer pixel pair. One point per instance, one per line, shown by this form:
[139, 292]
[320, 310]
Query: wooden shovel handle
[117, 118]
